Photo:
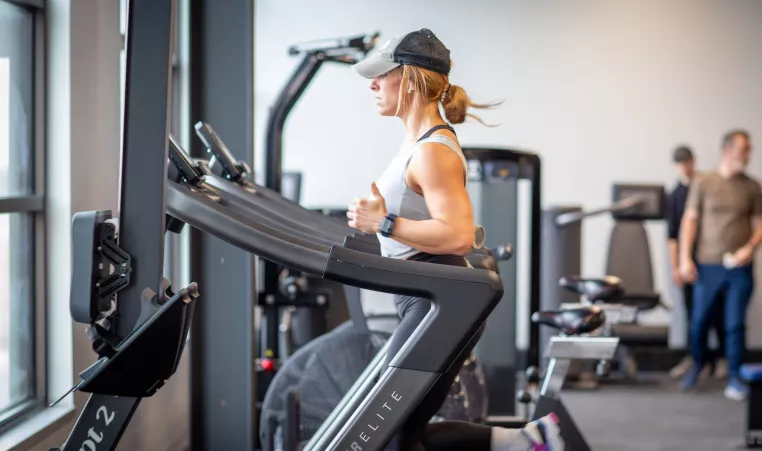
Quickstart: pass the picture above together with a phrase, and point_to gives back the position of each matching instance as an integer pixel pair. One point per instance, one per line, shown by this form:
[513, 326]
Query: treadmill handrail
[197, 210]
[236, 195]
[250, 206]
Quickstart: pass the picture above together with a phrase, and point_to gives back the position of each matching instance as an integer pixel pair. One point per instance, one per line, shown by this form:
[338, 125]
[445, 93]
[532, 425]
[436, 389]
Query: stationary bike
[575, 341]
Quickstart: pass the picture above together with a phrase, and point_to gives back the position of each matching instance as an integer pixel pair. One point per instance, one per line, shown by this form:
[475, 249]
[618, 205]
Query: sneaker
[544, 434]
[681, 369]
[690, 379]
[720, 369]
[736, 390]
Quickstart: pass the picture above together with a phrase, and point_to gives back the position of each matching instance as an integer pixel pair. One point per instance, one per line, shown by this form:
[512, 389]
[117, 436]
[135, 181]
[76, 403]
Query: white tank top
[402, 200]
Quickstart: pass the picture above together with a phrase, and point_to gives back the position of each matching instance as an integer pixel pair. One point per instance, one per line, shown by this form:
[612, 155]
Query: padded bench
[752, 374]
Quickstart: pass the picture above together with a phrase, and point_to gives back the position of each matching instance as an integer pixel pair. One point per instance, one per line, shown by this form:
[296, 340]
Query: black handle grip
[502, 252]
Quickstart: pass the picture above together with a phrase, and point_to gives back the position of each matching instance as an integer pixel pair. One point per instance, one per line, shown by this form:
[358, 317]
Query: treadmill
[140, 335]
[117, 381]
[443, 334]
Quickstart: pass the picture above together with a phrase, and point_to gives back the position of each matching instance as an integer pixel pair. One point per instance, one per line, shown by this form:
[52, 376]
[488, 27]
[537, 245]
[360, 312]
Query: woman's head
[411, 73]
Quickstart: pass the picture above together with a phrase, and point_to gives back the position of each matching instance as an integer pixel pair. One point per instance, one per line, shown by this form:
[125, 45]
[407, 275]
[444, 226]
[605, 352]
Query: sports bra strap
[435, 128]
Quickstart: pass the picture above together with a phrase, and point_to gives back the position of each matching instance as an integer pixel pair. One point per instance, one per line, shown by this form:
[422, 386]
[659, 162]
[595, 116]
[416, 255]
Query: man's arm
[756, 236]
[673, 227]
[745, 254]
[688, 228]
[689, 223]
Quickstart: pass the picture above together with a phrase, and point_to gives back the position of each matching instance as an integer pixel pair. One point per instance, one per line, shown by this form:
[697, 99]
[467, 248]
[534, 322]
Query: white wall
[83, 160]
[602, 89]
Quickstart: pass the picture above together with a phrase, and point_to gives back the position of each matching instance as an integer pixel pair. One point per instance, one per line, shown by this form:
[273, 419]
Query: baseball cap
[682, 154]
[418, 48]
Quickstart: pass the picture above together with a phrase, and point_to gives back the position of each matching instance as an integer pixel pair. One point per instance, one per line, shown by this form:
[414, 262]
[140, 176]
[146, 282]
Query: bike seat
[573, 321]
[607, 288]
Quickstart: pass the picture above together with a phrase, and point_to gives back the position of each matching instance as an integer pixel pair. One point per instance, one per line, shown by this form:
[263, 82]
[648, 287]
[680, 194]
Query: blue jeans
[737, 285]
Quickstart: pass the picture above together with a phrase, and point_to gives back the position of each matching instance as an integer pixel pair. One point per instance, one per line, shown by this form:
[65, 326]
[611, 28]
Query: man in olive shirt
[723, 217]
[685, 165]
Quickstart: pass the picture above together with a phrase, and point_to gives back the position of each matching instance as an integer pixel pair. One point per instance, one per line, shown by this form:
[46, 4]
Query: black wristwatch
[387, 225]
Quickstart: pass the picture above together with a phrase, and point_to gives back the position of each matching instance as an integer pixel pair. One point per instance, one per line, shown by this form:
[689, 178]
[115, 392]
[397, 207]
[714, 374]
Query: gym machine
[505, 189]
[137, 324]
[439, 340]
[573, 342]
[752, 374]
[467, 400]
[628, 261]
[121, 378]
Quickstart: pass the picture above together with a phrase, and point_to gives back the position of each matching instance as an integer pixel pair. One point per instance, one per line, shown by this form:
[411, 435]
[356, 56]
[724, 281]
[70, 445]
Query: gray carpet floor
[657, 416]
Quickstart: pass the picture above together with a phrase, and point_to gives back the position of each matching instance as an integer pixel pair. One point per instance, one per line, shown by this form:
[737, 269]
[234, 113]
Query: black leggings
[417, 434]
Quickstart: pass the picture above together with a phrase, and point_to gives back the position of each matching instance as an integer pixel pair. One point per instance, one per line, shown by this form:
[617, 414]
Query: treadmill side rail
[385, 410]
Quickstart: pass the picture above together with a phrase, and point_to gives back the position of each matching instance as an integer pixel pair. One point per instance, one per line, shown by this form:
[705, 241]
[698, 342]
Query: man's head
[736, 150]
[682, 157]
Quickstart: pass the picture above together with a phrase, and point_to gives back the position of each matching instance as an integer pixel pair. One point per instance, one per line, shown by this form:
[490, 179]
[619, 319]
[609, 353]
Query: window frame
[34, 206]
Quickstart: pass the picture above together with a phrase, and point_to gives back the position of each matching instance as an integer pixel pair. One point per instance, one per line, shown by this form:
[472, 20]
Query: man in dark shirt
[686, 168]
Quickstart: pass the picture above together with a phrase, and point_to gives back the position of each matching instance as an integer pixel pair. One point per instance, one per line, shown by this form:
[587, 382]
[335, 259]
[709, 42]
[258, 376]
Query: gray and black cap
[418, 48]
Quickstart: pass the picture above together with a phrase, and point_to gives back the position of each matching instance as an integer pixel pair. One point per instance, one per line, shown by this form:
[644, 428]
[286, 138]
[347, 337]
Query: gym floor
[657, 416]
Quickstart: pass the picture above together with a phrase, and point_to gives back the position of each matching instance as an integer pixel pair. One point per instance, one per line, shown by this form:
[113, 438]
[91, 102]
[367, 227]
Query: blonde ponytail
[434, 87]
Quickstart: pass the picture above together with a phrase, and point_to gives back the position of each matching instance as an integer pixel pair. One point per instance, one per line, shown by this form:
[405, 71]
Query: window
[20, 209]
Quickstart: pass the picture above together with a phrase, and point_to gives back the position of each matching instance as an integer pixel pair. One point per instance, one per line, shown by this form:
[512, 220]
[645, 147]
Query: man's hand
[366, 214]
[676, 277]
[743, 256]
[688, 271]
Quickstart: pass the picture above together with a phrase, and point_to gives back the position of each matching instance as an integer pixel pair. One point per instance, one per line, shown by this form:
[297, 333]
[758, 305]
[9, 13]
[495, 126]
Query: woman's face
[387, 90]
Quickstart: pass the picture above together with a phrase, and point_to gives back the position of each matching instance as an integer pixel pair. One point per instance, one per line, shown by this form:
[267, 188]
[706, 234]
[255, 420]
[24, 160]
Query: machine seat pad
[606, 288]
[572, 321]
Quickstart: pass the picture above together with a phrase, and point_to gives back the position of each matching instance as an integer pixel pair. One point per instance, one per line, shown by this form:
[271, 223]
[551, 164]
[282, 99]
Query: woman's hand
[366, 214]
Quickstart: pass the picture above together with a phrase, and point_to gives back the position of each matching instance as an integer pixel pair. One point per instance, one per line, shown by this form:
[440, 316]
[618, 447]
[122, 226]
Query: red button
[268, 365]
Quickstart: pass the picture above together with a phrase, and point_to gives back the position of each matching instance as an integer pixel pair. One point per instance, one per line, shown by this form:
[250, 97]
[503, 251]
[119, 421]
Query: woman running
[421, 211]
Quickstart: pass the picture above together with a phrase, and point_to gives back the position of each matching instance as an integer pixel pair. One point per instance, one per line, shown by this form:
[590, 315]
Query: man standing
[727, 204]
[686, 168]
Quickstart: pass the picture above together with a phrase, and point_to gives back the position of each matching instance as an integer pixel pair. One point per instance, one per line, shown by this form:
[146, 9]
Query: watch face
[385, 224]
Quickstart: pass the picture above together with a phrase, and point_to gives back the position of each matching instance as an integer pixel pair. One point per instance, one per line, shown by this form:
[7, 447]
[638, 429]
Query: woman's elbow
[464, 245]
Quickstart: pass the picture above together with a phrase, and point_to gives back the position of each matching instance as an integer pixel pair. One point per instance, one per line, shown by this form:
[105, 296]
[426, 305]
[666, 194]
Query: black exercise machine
[572, 343]
[357, 343]
[752, 374]
[147, 309]
[137, 324]
[440, 339]
[628, 259]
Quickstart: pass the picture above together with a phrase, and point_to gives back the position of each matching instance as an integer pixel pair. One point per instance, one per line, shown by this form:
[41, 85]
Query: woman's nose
[373, 85]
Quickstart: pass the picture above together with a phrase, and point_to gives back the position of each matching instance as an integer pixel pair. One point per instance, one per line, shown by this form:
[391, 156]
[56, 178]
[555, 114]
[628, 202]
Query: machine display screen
[649, 202]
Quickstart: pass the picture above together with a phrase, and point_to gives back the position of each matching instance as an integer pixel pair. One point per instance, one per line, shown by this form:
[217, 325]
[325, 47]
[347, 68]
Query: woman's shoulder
[439, 141]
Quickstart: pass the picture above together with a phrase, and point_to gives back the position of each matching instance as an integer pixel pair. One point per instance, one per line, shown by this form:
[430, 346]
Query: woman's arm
[436, 173]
